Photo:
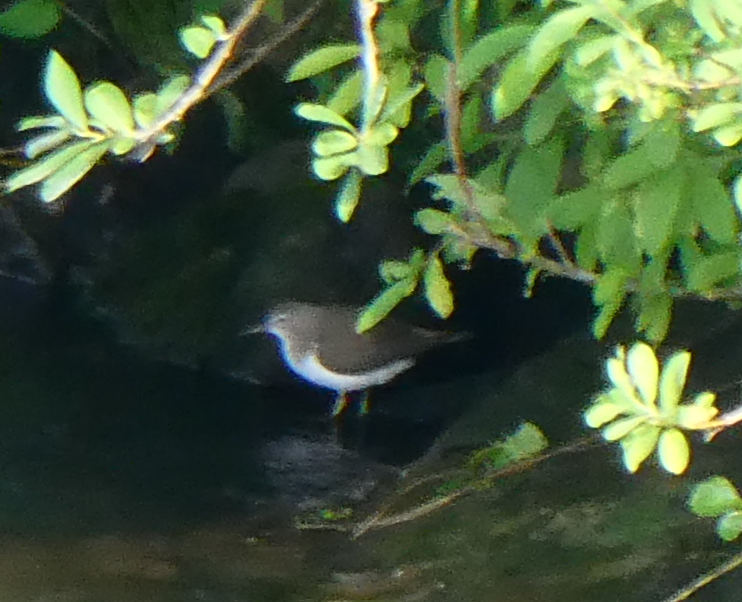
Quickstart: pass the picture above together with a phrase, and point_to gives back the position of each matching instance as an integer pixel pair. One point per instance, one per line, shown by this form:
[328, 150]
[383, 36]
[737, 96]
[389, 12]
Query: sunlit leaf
[695, 417]
[622, 427]
[729, 526]
[602, 412]
[107, 103]
[438, 288]
[331, 168]
[373, 160]
[320, 113]
[638, 445]
[674, 451]
[348, 196]
[170, 92]
[517, 83]
[348, 94]
[36, 122]
[433, 221]
[215, 24]
[556, 31]
[321, 60]
[384, 303]
[56, 184]
[333, 142]
[672, 381]
[197, 40]
[714, 496]
[715, 115]
[45, 142]
[43, 168]
[63, 90]
[145, 109]
[381, 135]
[643, 368]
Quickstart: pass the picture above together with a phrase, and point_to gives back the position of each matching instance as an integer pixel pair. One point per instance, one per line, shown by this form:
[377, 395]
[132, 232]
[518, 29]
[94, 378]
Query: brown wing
[389, 341]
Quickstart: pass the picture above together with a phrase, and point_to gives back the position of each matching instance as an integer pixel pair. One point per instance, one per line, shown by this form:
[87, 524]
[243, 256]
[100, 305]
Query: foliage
[716, 497]
[642, 410]
[30, 18]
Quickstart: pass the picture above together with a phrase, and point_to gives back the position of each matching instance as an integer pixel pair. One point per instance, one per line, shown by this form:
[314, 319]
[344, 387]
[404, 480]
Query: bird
[319, 343]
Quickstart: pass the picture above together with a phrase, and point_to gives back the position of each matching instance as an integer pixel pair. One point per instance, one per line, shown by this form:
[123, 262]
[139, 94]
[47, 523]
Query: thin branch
[728, 566]
[367, 10]
[381, 519]
[206, 75]
[261, 52]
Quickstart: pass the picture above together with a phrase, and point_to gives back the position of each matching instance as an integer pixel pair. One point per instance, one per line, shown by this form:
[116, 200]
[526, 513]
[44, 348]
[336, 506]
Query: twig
[685, 593]
[205, 76]
[380, 519]
[261, 52]
[367, 10]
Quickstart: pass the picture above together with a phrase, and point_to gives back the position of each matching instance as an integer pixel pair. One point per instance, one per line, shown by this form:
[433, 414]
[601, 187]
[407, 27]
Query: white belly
[310, 369]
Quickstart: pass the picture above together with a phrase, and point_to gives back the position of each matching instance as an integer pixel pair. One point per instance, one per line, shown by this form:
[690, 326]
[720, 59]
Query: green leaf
[517, 83]
[348, 94]
[558, 29]
[656, 204]
[622, 427]
[714, 497]
[434, 221]
[716, 115]
[392, 271]
[30, 18]
[373, 160]
[45, 142]
[574, 209]
[615, 236]
[71, 172]
[729, 135]
[145, 109]
[653, 315]
[729, 526]
[333, 142]
[45, 167]
[609, 294]
[601, 412]
[398, 103]
[695, 417]
[37, 122]
[107, 103]
[62, 88]
[489, 50]
[544, 112]
[381, 135]
[712, 204]
[658, 150]
[672, 381]
[216, 25]
[674, 451]
[436, 72]
[705, 14]
[320, 113]
[709, 271]
[643, 368]
[197, 40]
[170, 92]
[321, 60]
[433, 157]
[384, 303]
[532, 185]
[638, 445]
[438, 288]
[348, 196]
[331, 168]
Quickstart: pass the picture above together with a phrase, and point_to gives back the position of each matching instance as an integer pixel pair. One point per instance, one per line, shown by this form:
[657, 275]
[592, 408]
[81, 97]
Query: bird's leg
[341, 402]
[363, 410]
